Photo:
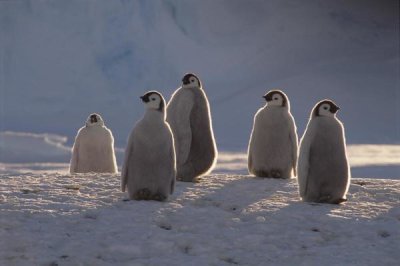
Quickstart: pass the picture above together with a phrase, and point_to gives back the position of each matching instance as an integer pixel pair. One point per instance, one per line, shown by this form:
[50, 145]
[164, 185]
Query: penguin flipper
[303, 163]
[125, 165]
[249, 162]
[294, 141]
[73, 167]
[112, 162]
[178, 117]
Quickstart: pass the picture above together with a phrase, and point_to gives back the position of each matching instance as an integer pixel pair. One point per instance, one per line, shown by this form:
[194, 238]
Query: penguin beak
[144, 98]
[268, 97]
[334, 109]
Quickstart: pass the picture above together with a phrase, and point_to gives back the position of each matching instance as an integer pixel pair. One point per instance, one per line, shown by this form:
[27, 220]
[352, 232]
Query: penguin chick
[188, 113]
[272, 150]
[323, 169]
[93, 149]
[149, 168]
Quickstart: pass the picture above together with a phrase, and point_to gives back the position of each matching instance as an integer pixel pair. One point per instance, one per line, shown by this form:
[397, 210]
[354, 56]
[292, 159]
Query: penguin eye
[326, 108]
[153, 99]
[276, 98]
[192, 80]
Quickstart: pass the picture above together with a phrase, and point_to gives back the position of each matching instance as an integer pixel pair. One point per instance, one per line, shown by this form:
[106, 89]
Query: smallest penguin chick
[93, 149]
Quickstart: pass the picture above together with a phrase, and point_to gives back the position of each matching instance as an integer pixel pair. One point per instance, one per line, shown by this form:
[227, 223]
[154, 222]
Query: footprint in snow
[384, 234]
[230, 261]
[164, 225]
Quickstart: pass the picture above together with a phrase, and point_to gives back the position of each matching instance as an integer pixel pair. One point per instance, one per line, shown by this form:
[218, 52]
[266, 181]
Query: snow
[21, 147]
[58, 219]
[26, 148]
[49, 217]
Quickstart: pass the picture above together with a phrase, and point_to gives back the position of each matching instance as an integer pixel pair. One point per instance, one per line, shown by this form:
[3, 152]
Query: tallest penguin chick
[323, 170]
[188, 114]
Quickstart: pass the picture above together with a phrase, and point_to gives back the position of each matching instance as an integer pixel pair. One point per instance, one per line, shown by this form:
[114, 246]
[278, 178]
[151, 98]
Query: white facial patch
[277, 100]
[324, 110]
[194, 83]
[154, 102]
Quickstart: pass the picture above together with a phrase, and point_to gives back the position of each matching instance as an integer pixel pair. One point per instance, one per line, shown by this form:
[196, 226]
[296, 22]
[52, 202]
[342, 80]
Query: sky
[62, 60]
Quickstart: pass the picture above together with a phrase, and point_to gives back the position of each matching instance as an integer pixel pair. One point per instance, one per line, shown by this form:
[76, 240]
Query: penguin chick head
[154, 101]
[276, 98]
[325, 108]
[94, 120]
[190, 80]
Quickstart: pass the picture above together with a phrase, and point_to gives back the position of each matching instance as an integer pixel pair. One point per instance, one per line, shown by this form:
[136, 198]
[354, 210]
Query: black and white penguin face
[94, 120]
[326, 108]
[275, 98]
[153, 100]
[190, 81]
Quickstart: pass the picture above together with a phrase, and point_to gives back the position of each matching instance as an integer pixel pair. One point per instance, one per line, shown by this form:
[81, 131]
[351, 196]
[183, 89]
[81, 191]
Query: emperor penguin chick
[149, 168]
[93, 149]
[323, 169]
[272, 148]
[188, 114]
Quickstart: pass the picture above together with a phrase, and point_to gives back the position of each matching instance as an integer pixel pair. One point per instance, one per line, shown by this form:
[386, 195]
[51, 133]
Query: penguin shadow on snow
[245, 200]
[239, 194]
[235, 194]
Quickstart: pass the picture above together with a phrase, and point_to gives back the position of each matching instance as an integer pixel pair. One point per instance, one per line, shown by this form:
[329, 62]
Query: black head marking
[145, 98]
[186, 79]
[149, 96]
[93, 118]
[333, 107]
[269, 96]
[161, 106]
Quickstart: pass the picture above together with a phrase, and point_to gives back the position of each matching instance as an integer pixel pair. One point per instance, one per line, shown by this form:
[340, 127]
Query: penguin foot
[197, 179]
[159, 197]
[276, 173]
[328, 199]
[338, 201]
[143, 194]
[261, 173]
[324, 199]
[183, 179]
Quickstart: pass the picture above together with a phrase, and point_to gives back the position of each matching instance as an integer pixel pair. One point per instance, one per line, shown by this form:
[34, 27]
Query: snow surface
[56, 219]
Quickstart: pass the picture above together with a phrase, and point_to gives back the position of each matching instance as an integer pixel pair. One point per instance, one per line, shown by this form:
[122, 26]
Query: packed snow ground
[57, 219]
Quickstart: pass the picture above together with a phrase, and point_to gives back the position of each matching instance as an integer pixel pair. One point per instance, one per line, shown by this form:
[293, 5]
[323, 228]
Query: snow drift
[19, 147]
